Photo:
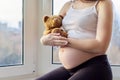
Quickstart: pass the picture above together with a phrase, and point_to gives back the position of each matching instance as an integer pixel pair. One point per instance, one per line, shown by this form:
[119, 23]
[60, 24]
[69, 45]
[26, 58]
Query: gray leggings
[97, 68]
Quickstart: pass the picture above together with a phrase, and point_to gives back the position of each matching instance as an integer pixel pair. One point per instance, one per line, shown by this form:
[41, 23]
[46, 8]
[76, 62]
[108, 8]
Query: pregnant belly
[71, 57]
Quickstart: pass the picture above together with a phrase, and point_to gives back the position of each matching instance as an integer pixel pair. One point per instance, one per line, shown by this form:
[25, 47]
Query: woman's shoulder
[67, 4]
[105, 3]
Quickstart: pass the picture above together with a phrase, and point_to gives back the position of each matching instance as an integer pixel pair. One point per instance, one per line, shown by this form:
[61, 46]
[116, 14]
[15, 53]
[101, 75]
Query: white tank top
[81, 23]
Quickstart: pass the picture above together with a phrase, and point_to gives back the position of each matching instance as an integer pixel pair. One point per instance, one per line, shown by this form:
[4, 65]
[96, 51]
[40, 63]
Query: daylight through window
[11, 32]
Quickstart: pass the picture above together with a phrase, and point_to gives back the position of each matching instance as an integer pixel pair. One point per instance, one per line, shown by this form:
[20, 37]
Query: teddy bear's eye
[61, 30]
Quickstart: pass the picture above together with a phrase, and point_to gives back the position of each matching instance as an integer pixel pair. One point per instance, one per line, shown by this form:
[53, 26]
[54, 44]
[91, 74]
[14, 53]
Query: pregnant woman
[83, 54]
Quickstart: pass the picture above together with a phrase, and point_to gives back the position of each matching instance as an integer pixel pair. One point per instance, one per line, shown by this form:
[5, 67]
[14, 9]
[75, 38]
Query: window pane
[56, 9]
[114, 49]
[11, 32]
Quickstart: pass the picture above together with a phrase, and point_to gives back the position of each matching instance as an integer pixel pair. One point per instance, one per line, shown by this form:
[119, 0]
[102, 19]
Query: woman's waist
[74, 51]
[71, 57]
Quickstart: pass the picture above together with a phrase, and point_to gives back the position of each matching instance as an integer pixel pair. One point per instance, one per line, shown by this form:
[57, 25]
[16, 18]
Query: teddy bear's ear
[45, 18]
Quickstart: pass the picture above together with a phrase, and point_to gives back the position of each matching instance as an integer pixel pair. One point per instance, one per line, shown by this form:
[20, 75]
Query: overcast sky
[10, 11]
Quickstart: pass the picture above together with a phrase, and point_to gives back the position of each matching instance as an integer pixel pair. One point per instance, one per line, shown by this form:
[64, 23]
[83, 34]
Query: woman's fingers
[55, 34]
[59, 42]
[59, 38]
[54, 39]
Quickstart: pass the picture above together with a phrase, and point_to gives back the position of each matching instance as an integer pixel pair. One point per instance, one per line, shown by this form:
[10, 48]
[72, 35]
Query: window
[17, 49]
[11, 33]
[114, 49]
[56, 9]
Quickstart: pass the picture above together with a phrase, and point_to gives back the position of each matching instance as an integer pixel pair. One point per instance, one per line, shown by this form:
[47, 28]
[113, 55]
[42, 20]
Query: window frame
[30, 44]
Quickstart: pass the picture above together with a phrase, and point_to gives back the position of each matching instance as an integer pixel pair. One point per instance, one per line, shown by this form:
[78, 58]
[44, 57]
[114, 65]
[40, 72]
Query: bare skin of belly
[71, 57]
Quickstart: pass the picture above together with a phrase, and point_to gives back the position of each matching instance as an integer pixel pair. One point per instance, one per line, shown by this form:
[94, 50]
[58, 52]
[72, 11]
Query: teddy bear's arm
[61, 31]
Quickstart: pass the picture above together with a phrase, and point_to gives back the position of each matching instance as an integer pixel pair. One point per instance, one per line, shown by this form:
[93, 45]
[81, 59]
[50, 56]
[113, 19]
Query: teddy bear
[53, 24]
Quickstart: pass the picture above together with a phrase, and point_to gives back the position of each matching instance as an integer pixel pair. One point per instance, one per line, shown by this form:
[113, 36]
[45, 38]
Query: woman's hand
[54, 39]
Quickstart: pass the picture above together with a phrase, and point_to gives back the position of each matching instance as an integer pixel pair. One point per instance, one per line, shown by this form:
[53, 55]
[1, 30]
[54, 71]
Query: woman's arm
[54, 39]
[65, 8]
[103, 35]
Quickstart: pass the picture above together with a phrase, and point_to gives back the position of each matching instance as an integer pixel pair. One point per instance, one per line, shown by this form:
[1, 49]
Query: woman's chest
[80, 19]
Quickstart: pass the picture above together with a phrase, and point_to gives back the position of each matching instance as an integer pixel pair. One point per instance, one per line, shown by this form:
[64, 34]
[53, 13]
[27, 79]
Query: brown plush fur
[53, 25]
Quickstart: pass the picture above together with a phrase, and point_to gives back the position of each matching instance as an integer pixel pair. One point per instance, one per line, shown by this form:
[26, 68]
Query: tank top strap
[96, 3]
[72, 1]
